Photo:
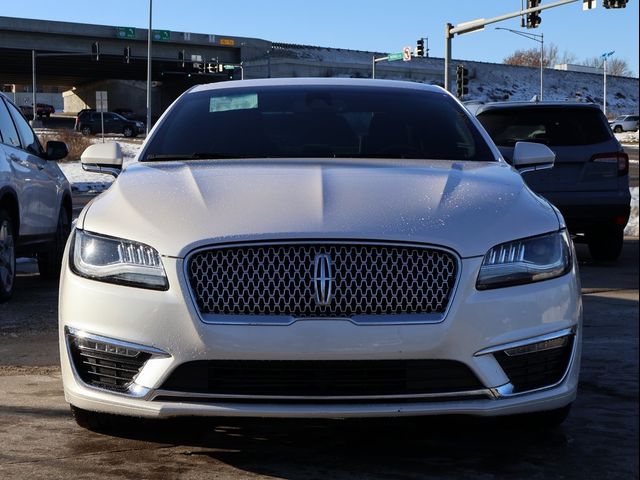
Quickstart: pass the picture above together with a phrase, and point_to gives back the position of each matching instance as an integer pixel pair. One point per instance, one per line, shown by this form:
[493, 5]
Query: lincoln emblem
[323, 279]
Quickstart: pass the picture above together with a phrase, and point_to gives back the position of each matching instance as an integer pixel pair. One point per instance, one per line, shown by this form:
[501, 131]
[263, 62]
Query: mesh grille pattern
[279, 280]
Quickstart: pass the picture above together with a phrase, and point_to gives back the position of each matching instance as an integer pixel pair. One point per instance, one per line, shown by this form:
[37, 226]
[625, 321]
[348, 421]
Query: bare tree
[615, 66]
[531, 57]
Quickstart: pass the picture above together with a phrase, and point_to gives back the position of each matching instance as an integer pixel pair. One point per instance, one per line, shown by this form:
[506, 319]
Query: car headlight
[526, 261]
[115, 260]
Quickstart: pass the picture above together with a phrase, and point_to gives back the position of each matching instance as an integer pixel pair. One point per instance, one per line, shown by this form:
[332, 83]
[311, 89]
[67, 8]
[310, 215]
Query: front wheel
[7, 256]
[128, 132]
[49, 262]
[618, 129]
[606, 245]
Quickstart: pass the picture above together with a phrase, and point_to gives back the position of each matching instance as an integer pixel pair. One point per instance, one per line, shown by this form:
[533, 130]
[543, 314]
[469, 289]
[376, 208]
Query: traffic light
[181, 58]
[420, 47]
[127, 54]
[462, 80]
[533, 19]
[95, 51]
[614, 3]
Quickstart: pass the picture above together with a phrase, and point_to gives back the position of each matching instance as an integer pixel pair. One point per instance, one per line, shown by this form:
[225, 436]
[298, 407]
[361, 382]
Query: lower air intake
[105, 365]
[540, 368]
[314, 378]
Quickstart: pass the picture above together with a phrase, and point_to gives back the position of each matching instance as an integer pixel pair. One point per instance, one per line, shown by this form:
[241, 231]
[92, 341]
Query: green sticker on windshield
[242, 101]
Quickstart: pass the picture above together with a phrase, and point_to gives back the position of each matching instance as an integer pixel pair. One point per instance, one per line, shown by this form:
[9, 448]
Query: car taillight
[619, 158]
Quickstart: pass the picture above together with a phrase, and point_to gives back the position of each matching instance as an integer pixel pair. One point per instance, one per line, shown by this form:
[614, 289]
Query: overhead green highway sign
[126, 32]
[161, 35]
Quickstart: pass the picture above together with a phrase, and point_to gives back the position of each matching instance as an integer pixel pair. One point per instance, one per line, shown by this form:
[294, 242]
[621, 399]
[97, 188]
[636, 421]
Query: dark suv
[89, 122]
[589, 182]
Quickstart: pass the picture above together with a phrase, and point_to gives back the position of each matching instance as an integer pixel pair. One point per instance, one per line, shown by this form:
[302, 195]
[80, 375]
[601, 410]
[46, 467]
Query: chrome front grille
[360, 279]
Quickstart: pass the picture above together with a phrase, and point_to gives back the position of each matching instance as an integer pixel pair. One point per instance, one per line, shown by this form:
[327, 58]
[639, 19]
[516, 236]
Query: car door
[42, 184]
[111, 123]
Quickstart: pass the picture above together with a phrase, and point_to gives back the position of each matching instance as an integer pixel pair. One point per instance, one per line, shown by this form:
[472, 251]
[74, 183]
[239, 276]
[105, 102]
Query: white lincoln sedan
[319, 248]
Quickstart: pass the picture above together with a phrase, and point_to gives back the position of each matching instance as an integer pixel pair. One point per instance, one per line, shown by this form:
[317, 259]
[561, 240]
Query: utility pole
[149, 70]
[536, 38]
[33, 86]
[604, 66]
[479, 24]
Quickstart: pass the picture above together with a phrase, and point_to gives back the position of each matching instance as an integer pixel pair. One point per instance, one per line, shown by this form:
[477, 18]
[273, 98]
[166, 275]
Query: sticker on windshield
[243, 101]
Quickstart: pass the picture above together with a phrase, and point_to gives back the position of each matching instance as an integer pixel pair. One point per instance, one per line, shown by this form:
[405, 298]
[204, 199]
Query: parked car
[90, 122]
[590, 180]
[35, 199]
[79, 115]
[624, 123]
[319, 248]
[43, 110]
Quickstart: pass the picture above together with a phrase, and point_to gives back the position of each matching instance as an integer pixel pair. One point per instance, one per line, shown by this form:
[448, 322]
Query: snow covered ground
[632, 227]
[627, 138]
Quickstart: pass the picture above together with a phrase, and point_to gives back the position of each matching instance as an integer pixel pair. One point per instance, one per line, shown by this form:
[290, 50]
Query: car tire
[85, 131]
[618, 129]
[127, 132]
[606, 245]
[7, 256]
[49, 262]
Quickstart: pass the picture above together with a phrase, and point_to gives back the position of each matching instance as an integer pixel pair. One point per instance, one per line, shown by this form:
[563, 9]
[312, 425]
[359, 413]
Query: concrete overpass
[64, 55]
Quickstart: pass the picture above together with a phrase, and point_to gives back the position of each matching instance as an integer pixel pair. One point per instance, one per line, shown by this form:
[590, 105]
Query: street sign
[161, 35]
[126, 32]
[406, 54]
[395, 56]
[101, 101]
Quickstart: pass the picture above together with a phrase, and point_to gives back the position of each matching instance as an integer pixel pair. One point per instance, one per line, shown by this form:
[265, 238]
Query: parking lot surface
[39, 439]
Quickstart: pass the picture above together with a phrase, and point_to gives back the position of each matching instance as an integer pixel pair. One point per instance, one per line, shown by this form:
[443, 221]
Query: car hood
[178, 206]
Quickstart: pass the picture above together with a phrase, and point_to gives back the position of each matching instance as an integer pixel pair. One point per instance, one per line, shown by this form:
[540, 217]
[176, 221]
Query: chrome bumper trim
[214, 396]
[528, 341]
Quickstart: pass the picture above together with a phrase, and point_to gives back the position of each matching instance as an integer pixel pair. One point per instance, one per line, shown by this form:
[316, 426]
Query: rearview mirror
[528, 156]
[103, 158]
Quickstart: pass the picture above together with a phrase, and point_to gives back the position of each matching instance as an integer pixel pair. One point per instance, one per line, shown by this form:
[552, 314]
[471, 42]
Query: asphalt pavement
[39, 439]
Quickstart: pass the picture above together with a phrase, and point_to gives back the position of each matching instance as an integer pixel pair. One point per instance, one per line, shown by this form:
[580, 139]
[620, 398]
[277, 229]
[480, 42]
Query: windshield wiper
[189, 156]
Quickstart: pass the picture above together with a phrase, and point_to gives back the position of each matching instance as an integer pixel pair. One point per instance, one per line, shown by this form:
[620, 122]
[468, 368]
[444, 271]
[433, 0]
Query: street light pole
[33, 86]
[604, 66]
[536, 38]
[149, 70]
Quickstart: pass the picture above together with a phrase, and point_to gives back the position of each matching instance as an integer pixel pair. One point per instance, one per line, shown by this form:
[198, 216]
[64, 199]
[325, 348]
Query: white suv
[35, 199]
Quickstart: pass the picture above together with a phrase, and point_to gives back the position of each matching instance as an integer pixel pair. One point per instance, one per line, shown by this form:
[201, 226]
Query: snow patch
[627, 137]
[631, 229]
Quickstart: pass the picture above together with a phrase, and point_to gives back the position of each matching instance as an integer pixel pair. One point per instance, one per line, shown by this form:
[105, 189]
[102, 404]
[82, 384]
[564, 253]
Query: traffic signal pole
[479, 24]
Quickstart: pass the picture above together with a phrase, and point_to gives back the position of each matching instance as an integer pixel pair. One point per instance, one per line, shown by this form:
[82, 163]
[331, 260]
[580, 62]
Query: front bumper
[167, 323]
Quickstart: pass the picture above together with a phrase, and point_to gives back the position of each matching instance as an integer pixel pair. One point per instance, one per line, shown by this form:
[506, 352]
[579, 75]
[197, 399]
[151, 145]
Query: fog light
[538, 347]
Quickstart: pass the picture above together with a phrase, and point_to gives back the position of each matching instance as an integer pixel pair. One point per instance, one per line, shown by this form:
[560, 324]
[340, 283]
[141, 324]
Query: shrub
[76, 142]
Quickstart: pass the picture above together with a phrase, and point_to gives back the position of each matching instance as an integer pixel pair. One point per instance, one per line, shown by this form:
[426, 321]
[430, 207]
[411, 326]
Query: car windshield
[553, 126]
[319, 122]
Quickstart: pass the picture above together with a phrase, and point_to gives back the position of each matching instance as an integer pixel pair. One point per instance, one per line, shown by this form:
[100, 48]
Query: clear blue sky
[374, 25]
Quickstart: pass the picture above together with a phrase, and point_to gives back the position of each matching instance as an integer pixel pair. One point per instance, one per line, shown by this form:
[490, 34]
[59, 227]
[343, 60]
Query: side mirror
[56, 150]
[103, 158]
[528, 156]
